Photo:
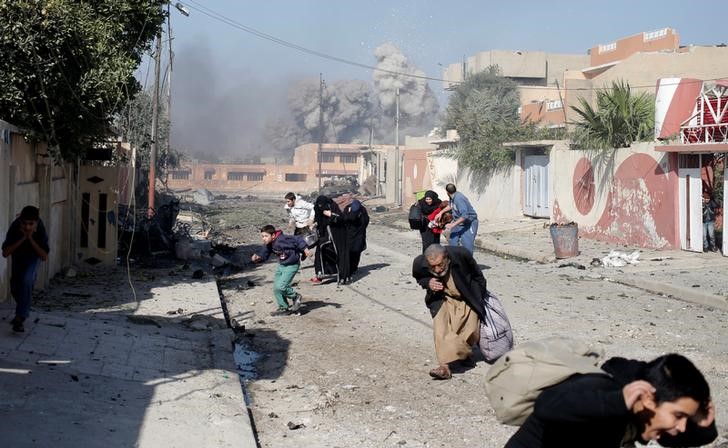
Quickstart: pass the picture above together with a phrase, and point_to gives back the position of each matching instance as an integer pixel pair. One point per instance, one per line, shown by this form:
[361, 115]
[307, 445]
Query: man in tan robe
[455, 289]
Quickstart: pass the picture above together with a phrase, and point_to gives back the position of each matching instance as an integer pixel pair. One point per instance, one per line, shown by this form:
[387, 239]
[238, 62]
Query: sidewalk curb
[685, 294]
[690, 295]
[502, 249]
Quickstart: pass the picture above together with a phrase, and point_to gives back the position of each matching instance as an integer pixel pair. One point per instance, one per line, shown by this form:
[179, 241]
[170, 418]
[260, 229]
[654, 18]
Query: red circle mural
[583, 186]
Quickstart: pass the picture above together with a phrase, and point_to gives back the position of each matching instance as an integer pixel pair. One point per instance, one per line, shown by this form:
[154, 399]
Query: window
[243, 175]
[347, 158]
[607, 48]
[327, 157]
[553, 105]
[181, 175]
[209, 174]
[653, 35]
[295, 177]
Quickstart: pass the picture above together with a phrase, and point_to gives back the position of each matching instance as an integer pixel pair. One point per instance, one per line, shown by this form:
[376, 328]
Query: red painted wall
[641, 204]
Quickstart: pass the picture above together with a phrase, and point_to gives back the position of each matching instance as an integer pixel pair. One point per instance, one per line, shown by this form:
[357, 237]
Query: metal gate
[536, 201]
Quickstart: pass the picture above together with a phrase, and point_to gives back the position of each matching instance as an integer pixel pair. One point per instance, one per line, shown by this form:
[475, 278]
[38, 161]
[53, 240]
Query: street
[353, 369]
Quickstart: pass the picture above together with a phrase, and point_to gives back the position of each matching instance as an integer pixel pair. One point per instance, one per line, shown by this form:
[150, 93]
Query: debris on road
[617, 259]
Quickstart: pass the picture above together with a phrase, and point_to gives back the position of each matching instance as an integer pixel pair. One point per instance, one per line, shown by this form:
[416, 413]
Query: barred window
[181, 175]
[348, 158]
[295, 177]
[327, 157]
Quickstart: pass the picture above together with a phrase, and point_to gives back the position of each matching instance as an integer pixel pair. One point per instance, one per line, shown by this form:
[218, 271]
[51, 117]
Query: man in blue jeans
[464, 225]
[27, 242]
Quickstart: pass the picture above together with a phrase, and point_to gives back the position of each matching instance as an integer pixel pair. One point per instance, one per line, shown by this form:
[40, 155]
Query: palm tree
[619, 118]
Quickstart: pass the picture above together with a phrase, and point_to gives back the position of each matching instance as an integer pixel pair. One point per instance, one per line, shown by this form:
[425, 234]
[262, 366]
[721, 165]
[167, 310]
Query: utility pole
[321, 127]
[397, 192]
[169, 82]
[155, 126]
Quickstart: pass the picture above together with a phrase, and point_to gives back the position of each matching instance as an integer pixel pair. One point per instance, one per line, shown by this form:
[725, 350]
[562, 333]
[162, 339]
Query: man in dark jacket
[288, 249]
[455, 289]
[666, 400]
[27, 243]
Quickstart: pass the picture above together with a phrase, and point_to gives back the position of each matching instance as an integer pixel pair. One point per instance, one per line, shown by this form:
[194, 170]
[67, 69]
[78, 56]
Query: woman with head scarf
[430, 206]
[357, 220]
[332, 252]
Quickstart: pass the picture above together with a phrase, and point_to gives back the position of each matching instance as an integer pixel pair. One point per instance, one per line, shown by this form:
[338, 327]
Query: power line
[222, 18]
[217, 16]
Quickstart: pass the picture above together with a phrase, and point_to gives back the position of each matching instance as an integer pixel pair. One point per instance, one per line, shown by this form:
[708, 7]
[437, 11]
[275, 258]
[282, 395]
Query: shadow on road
[363, 271]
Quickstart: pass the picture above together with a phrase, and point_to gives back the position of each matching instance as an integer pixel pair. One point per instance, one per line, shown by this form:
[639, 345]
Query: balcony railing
[707, 133]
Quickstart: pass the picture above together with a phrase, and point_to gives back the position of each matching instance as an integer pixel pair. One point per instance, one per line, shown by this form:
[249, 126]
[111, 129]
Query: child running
[288, 249]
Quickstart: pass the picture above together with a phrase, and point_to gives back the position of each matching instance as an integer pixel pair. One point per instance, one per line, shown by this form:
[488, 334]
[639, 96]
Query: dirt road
[352, 371]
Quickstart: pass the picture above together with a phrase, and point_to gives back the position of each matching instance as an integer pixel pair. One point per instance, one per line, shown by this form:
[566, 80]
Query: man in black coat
[455, 289]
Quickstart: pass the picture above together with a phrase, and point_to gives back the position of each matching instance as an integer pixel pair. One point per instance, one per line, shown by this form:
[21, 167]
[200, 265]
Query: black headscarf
[324, 203]
[428, 209]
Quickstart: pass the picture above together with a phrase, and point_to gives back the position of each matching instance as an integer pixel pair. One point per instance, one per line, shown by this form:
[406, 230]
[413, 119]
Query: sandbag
[515, 381]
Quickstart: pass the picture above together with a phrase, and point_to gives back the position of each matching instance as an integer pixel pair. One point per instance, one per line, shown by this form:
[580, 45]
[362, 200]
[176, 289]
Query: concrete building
[641, 60]
[551, 83]
[336, 160]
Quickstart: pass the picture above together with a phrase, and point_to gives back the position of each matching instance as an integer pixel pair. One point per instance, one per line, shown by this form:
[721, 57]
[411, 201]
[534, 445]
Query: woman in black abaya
[357, 220]
[332, 250]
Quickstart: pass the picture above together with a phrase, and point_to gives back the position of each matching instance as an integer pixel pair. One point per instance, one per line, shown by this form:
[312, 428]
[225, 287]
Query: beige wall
[543, 68]
[28, 178]
[558, 64]
[644, 69]
[495, 197]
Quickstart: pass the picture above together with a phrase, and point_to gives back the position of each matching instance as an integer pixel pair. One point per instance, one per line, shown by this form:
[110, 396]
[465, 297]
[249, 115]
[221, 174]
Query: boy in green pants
[288, 249]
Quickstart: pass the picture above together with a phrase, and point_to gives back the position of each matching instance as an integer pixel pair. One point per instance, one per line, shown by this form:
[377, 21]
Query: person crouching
[455, 289]
[288, 249]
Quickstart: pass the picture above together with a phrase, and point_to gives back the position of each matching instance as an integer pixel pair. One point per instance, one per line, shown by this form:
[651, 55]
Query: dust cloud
[219, 120]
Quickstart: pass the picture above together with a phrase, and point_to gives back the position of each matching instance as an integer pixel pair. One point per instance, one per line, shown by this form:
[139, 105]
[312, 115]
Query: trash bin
[566, 239]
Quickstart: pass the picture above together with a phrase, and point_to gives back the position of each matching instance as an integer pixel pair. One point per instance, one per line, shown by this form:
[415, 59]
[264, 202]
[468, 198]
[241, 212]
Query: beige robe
[456, 326]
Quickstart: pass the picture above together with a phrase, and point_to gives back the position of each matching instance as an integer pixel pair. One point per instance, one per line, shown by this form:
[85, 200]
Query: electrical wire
[224, 19]
[220, 17]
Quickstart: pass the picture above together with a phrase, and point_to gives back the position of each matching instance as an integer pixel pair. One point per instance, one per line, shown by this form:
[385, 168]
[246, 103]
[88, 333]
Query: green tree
[484, 110]
[68, 66]
[618, 119]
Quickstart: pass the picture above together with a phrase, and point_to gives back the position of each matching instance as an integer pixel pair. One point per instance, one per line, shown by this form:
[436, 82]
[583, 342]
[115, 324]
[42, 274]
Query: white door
[690, 202]
[536, 187]
[97, 215]
[725, 234]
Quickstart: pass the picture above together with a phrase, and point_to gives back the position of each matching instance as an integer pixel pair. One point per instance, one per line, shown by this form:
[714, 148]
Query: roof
[694, 148]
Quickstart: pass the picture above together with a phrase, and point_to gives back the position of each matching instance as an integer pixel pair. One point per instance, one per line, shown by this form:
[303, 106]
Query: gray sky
[223, 72]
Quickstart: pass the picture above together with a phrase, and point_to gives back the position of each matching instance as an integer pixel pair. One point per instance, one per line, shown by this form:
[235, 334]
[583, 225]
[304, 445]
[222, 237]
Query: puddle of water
[245, 360]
